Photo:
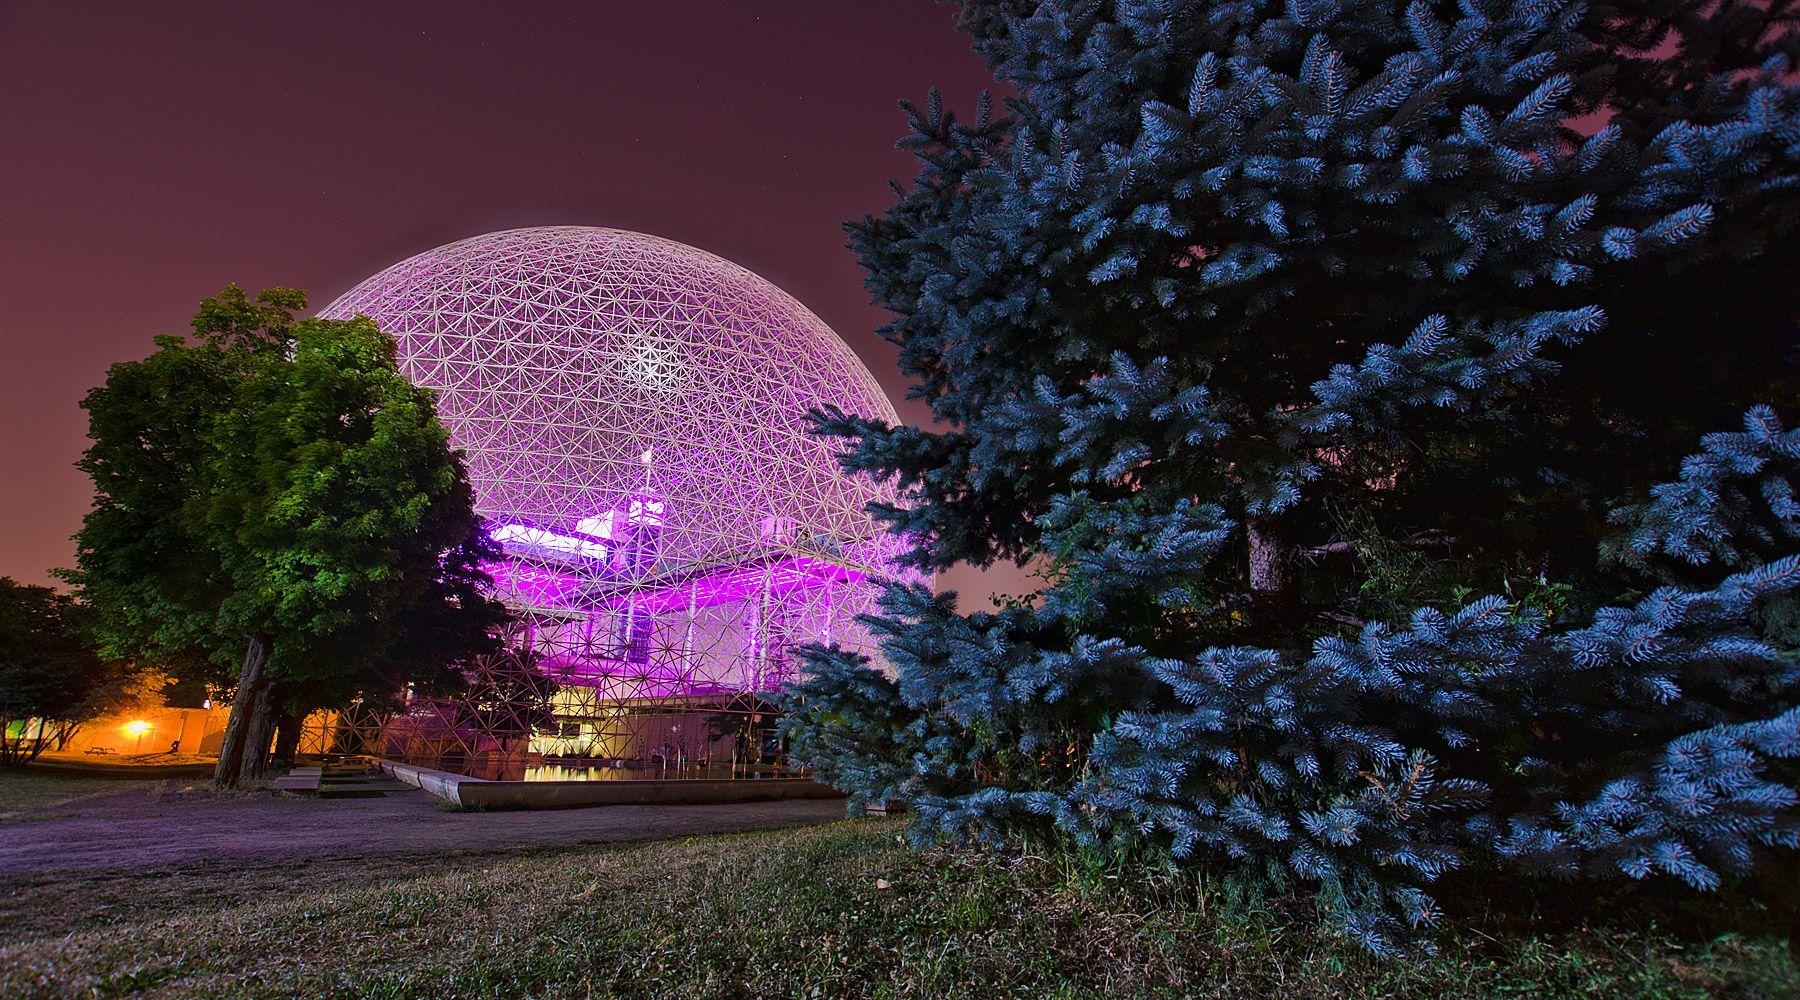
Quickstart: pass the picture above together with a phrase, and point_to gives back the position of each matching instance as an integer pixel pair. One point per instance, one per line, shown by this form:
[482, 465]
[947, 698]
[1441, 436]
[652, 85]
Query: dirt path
[152, 827]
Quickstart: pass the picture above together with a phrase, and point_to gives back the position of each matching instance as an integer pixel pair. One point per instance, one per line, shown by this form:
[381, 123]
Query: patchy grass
[30, 795]
[842, 910]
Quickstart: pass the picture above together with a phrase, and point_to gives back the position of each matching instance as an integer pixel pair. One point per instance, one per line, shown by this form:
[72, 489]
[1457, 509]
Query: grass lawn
[840, 910]
[26, 794]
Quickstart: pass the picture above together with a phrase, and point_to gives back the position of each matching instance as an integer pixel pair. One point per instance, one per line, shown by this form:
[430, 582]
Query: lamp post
[139, 728]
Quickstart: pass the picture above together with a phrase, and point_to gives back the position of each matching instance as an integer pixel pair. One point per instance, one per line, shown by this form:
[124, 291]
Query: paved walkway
[152, 827]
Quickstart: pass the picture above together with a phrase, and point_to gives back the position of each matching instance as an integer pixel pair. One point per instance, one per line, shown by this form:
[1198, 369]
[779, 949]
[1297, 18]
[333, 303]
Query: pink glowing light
[525, 540]
[630, 410]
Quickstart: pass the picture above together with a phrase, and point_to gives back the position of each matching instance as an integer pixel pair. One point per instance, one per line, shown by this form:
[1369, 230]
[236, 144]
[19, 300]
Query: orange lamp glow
[138, 727]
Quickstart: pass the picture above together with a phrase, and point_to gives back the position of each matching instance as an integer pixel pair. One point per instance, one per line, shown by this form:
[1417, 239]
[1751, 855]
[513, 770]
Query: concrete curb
[479, 793]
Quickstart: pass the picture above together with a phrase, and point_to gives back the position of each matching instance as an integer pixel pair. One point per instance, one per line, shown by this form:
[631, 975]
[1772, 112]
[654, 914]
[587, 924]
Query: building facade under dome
[631, 414]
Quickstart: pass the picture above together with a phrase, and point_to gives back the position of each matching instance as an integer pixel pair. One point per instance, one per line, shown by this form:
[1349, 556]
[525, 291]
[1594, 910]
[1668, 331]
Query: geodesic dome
[630, 410]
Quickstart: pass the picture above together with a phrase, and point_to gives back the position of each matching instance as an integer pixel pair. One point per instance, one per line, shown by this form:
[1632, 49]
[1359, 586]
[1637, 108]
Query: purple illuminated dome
[631, 413]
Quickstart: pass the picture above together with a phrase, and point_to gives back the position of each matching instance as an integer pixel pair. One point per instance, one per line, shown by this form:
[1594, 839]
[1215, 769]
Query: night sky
[152, 153]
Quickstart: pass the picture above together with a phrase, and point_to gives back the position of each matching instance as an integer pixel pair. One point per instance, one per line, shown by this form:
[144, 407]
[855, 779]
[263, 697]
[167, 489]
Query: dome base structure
[631, 413]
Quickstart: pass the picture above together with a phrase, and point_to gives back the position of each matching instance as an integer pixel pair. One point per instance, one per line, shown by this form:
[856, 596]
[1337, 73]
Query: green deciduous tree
[275, 486]
[503, 697]
[51, 678]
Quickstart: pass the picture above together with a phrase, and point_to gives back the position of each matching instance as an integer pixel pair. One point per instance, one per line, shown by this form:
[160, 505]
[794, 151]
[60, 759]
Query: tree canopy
[274, 487]
[51, 678]
[504, 697]
[1336, 362]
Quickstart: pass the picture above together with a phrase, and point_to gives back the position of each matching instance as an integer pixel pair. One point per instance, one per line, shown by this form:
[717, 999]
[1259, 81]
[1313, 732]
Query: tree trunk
[249, 685]
[259, 732]
[287, 737]
[65, 731]
[1271, 565]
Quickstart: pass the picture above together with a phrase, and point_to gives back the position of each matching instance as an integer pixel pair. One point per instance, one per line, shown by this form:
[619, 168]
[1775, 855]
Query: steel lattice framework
[631, 413]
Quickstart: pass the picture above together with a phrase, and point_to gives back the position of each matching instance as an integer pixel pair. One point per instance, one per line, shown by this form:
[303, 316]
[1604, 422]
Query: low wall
[479, 793]
[153, 730]
[128, 772]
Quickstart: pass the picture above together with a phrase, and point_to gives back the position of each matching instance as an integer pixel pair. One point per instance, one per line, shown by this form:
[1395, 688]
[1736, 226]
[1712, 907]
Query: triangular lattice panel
[631, 415]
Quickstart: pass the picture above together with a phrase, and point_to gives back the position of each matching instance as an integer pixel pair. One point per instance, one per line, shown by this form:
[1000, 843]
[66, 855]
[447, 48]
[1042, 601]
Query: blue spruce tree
[1327, 359]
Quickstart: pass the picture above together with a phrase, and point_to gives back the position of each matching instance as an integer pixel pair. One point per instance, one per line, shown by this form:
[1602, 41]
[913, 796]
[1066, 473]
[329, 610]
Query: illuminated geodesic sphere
[630, 410]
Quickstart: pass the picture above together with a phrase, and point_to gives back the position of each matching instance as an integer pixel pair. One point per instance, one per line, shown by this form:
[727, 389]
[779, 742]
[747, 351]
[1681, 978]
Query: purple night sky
[150, 154]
